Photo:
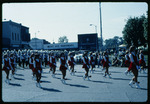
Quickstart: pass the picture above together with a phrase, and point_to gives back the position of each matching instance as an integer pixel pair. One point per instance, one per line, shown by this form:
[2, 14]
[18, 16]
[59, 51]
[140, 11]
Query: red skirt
[36, 69]
[62, 67]
[31, 66]
[70, 63]
[5, 68]
[84, 66]
[142, 62]
[127, 63]
[105, 64]
[132, 66]
[52, 65]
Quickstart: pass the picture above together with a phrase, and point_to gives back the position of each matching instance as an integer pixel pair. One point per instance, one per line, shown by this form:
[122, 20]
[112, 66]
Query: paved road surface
[99, 89]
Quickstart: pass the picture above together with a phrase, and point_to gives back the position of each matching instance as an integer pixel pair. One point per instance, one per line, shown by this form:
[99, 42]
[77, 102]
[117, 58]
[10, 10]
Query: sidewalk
[98, 89]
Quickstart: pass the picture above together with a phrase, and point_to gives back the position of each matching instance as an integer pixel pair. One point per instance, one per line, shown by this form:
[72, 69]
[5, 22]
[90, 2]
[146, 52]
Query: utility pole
[101, 26]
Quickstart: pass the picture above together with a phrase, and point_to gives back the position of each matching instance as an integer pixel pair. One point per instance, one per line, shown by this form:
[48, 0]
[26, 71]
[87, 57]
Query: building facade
[14, 35]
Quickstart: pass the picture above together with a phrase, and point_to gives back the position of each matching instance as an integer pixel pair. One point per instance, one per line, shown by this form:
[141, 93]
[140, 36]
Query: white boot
[137, 85]
[109, 76]
[39, 85]
[131, 83]
[126, 72]
[88, 78]
[83, 77]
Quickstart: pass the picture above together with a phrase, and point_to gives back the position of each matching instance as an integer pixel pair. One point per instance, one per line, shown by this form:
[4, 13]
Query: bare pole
[101, 25]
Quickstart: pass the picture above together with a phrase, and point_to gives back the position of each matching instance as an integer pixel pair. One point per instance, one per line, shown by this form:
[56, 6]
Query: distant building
[62, 46]
[14, 35]
[38, 44]
[88, 42]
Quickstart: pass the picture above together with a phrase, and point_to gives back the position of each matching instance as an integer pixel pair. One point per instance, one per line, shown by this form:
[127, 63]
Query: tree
[133, 32]
[63, 39]
[145, 25]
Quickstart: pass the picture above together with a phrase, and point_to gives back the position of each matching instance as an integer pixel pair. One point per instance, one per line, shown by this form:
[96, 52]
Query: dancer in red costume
[142, 63]
[133, 67]
[7, 67]
[31, 59]
[63, 67]
[38, 69]
[86, 65]
[53, 64]
[92, 62]
[127, 62]
[13, 63]
[106, 64]
[71, 63]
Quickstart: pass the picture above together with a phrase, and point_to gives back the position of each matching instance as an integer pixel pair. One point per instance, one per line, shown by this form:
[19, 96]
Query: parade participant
[133, 67]
[13, 63]
[63, 66]
[45, 58]
[49, 62]
[86, 65]
[31, 59]
[37, 69]
[127, 62]
[7, 67]
[102, 61]
[19, 57]
[71, 63]
[106, 64]
[27, 56]
[92, 62]
[53, 64]
[99, 60]
[23, 59]
[142, 63]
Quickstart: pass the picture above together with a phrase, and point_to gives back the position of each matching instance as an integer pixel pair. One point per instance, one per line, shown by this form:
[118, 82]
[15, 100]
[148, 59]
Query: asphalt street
[99, 89]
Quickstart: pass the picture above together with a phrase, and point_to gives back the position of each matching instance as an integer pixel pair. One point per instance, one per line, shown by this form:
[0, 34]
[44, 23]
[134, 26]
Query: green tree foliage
[145, 25]
[113, 42]
[63, 39]
[133, 32]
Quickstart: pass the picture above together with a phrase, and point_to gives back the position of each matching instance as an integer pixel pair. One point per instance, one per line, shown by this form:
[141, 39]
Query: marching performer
[106, 64]
[127, 62]
[92, 62]
[86, 65]
[71, 63]
[53, 64]
[31, 59]
[7, 67]
[63, 66]
[133, 67]
[13, 63]
[142, 63]
[38, 69]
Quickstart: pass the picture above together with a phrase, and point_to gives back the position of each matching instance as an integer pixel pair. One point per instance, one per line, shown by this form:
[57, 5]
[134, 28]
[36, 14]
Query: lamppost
[101, 25]
[96, 33]
[36, 41]
[95, 27]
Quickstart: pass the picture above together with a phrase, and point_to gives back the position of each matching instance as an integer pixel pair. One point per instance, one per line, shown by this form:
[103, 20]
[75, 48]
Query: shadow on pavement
[142, 76]
[120, 79]
[50, 89]
[115, 72]
[101, 82]
[18, 78]
[43, 76]
[97, 73]
[15, 84]
[76, 85]
[19, 74]
[79, 72]
[78, 75]
[45, 82]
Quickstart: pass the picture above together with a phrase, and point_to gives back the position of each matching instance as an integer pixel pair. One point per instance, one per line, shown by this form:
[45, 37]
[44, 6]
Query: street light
[35, 40]
[101, 25]
[95, 27]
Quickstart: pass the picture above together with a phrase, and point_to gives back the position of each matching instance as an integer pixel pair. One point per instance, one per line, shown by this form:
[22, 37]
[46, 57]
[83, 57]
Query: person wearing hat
[133, 67]
[13, 62]
[31, 59]
[53, 64]
[142, 62]
[63, 66]
[37, 69]
[86, 65]
[127, 62]
[7, 67]
[106, 64]
[71, 63]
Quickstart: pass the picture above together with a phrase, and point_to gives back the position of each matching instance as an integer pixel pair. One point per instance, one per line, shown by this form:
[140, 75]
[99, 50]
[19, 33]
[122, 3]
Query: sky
[53, 20]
